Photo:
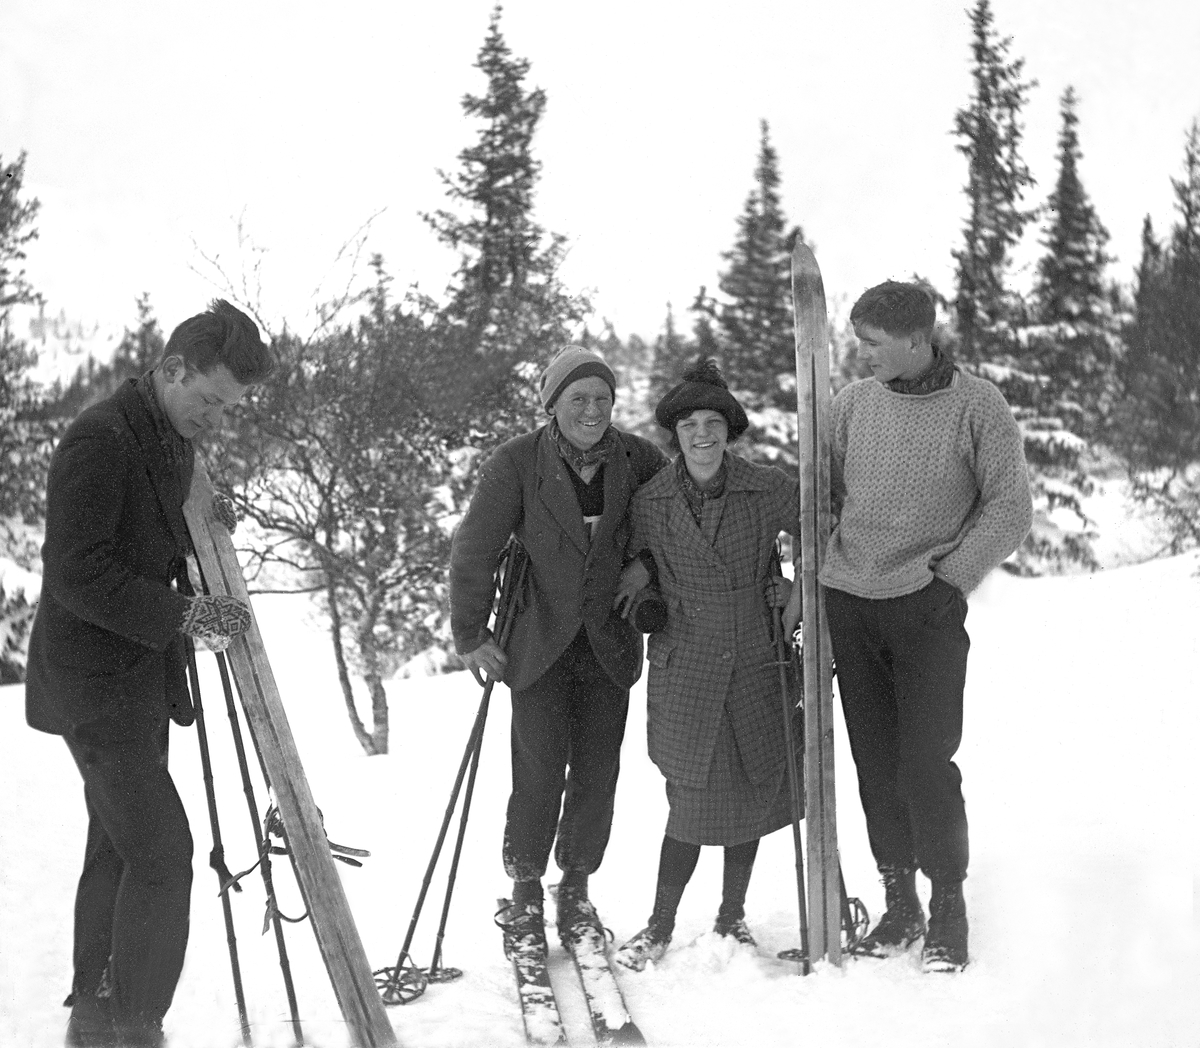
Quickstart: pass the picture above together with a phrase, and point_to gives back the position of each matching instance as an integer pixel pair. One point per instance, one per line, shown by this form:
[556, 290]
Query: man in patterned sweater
[930, 492]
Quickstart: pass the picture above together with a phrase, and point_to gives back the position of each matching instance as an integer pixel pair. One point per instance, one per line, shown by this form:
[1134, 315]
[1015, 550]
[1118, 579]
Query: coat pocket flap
[658, 650]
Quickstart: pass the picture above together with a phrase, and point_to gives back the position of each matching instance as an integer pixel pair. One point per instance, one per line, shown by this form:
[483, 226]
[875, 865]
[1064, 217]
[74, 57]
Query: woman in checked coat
[715, 728]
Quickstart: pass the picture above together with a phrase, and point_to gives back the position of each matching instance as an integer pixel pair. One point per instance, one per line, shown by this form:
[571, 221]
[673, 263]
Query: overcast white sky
[152, 124]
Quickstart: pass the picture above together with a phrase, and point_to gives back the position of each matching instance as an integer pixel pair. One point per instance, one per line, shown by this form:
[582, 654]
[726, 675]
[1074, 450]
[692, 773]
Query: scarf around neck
[693, 492]
[598, 454]
[178, 449]
[937, 376]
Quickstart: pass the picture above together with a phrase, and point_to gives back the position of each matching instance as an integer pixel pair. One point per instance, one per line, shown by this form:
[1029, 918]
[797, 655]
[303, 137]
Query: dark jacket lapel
[618, 489]
[165, 477]
[557, 493]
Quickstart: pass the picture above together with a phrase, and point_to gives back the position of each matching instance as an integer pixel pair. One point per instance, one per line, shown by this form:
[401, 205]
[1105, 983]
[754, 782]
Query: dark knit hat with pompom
[703, 386]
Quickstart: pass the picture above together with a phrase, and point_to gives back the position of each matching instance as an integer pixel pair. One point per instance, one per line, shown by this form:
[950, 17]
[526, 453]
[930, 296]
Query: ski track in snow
[1079, 763]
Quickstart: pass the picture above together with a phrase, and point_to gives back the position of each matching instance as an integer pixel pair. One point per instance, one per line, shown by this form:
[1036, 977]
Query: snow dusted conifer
[26, 435]
[755, 319]
[671, 351]
[1160, 417]
[750, 326]
[992, 321]
[508, 312]
[1070, 275]
[990, 133]
[1074, 338]
[24, 440]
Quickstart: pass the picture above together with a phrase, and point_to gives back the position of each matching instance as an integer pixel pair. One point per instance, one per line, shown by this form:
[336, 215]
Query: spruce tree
[990, 133]
[1185, 256]
[1074, 342]
[508, 311]
[993, 334]
[749, 326]
[670, 353]
[1160, 418]
[754, 321]
[26, 435]
[1070, 276]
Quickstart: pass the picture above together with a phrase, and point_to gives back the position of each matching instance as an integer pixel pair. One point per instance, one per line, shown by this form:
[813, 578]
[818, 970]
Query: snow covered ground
[1080, 773]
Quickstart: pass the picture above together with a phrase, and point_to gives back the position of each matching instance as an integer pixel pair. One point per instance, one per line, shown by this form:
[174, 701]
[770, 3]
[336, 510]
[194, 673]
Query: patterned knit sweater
[923, 485]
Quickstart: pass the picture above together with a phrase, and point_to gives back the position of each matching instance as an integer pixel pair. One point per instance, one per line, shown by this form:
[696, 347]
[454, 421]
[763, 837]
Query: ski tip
[803, 258]
[806, 278]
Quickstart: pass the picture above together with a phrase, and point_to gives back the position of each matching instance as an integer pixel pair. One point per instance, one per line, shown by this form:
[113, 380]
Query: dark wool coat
[106, 659]
[715, 656]
[524, 489]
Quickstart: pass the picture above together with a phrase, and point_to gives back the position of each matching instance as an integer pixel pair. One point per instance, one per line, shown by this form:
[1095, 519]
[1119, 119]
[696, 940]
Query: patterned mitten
[215, 620]
[223, 510]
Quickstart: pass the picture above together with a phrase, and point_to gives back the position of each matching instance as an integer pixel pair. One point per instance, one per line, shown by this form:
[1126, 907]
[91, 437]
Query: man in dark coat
[107, 661]
[563, 491]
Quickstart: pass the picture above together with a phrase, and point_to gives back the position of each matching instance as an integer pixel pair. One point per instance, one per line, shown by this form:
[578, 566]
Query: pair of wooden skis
[821, 926]
[320, 887]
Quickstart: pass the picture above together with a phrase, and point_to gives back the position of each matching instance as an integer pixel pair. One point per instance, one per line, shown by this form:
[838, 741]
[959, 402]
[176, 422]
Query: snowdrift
[1079, 771]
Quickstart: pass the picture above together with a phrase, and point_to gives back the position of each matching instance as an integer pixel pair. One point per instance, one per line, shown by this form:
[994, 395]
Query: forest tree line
[353, 465]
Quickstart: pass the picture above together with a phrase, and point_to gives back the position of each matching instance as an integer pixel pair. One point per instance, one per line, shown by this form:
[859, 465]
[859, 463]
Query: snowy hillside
[62, 344]
[1080, 775]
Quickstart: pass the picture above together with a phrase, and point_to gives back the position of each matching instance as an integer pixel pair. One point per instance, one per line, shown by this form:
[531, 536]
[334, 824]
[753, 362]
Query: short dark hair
[898, 309]
[222, 334]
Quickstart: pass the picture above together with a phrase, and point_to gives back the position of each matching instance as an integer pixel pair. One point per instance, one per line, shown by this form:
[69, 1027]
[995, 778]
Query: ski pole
[264, 866]
[513, 565]
[216, 858]
[517, 564]
[265, 862]
[783, 659]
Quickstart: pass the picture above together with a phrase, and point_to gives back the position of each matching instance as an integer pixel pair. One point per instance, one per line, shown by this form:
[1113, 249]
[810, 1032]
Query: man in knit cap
[930, 492]
[563, 490]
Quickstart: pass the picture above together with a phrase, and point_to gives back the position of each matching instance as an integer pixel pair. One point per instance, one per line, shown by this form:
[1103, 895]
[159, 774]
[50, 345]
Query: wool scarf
[694, 493]
[177, 449]
[938, 375]
[598, 454]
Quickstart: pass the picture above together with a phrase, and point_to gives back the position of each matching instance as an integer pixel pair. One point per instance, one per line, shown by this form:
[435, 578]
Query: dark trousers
[901, 667]
[131, 906]
[567, 729]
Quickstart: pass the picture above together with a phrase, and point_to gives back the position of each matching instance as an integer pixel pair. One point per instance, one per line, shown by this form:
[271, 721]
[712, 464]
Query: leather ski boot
[91, 1022]
[902, 924]
[652, 941]
[648, 945]
[946, 944]
[575, 914]
[734, 928]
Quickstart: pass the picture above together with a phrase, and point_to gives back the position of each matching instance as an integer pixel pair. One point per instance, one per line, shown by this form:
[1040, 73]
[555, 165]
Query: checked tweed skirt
[729, 809]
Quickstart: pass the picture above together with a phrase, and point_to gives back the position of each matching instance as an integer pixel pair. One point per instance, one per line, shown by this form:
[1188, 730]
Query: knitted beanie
[703, 386]
[571, 364]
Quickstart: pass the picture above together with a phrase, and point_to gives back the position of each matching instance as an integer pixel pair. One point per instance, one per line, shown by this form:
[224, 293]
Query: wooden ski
[320, 887]
[812, 411]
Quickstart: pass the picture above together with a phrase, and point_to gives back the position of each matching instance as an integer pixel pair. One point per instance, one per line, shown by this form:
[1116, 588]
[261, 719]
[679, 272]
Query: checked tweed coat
[715, 657]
